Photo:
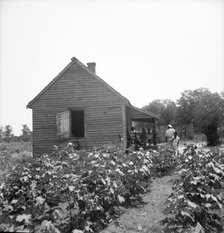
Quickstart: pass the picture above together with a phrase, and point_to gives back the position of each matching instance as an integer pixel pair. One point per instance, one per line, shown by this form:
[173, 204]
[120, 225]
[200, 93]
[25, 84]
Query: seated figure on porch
[143, 138]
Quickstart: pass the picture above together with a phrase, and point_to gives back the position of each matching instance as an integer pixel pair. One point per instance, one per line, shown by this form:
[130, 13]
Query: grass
[12, 154]
[15, 147]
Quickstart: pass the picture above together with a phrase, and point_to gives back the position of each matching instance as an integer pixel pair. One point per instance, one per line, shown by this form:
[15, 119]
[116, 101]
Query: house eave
[147, 114]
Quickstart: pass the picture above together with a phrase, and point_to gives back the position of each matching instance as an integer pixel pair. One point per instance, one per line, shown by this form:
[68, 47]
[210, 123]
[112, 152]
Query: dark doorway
[78, 129]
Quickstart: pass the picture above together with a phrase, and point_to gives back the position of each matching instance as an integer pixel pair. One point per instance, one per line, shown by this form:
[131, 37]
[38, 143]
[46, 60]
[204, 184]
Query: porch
[141, 128]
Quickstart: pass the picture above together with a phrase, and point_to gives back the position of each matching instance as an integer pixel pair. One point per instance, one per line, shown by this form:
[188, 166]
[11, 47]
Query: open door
[63, 121]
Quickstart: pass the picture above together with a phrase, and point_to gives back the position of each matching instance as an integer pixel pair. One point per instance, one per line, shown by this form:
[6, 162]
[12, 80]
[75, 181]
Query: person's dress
[175, 144]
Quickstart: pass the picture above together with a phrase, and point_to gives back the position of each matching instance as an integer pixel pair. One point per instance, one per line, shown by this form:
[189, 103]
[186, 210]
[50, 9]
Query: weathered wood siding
[125, 126]
[77, 88]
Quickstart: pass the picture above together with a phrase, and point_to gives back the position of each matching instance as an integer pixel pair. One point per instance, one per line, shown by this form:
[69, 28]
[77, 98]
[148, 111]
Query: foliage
[15, 147]
[164, 162]
[166, 109]
[1, 133]
[204, 109]
[72, 190]
[80, 191]
[7, 133]
[25, 130]
[26, 133]
[200, 106]
[197, 197]
[10, 155]
[5, 164]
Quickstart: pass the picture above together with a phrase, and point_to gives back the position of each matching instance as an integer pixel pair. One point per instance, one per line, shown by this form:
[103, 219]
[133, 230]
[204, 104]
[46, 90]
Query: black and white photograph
[112, 116]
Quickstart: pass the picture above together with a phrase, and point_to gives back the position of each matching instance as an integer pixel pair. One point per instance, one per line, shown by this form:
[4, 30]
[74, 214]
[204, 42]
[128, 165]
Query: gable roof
[75, 60]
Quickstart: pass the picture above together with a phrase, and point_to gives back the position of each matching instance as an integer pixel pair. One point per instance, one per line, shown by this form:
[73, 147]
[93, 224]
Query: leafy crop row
[164, 162]
[197, 199]
[73, 190]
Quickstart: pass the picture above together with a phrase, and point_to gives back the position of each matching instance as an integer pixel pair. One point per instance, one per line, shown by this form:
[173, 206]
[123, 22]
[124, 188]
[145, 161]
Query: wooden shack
[78, 106]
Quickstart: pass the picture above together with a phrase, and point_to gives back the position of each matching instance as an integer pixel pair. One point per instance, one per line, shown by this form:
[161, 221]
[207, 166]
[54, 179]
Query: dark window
[77, 117]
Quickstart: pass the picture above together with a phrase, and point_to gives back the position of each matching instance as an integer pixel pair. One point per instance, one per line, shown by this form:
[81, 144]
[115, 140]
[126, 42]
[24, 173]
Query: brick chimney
[92, 66]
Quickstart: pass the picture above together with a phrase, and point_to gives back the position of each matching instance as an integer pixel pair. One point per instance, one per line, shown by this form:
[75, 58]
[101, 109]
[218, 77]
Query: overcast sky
[144, 49]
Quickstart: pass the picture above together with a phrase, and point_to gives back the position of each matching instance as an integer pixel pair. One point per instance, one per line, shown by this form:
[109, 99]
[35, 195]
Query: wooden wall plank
[77, 88]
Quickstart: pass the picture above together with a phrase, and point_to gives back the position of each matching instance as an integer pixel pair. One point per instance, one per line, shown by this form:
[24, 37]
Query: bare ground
[145, 218]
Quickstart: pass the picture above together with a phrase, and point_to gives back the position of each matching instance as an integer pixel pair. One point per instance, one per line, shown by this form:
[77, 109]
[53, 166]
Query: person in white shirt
[169, 135]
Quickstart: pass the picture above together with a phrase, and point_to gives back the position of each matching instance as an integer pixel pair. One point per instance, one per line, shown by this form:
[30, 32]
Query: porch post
[154, 131]
[125, 129]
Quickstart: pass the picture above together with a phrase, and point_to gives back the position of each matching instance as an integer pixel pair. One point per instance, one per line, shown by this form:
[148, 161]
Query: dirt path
[146, 218]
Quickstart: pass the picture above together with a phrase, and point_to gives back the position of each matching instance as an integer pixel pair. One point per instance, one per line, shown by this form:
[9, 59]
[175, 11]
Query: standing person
[175, 143]
[169, 136]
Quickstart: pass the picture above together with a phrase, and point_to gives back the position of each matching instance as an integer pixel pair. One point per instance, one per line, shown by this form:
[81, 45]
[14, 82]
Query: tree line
[7, 135]
[200, 107]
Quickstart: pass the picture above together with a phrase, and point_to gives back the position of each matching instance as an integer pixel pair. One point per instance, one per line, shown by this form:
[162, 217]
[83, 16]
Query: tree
[7, 133]
[166, 109]
[204, 109]
[26, 133]
[1, 133]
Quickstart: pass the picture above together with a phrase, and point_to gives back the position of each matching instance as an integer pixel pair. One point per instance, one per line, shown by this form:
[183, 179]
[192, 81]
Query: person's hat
[169, 126]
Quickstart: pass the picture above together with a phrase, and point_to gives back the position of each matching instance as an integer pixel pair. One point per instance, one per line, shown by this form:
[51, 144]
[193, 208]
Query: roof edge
[147, 113]
[30, 104]
[104, 83]
[75, 60]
